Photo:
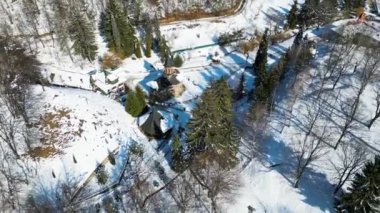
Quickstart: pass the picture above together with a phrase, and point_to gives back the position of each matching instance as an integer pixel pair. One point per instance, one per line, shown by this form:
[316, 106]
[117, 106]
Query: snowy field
[87, 126]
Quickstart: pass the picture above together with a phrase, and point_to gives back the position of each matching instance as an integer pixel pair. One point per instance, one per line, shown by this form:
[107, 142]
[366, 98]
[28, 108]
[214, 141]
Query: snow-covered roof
[153, 85]
[112, 77]
[69, 79]
[157, 119]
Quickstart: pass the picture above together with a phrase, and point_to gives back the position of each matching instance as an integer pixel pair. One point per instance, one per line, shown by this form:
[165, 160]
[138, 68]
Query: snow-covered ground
[87, 125]
[256, 16]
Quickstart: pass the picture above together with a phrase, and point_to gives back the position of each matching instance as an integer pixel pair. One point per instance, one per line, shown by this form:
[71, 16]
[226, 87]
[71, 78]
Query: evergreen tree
[178, 61]
[117, 30]
[133, 105]
[260, 65]
[141, 98]
[83, 37]
[138, 49]
[148, 44]
[211, 128]
[163, 50]
[292, 17]
[364, 192]
[178, 162]
[298, 39]
[239, 92]
[307, 15]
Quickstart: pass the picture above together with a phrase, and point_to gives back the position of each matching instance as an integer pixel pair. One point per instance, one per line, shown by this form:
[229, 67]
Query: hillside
[188, 106]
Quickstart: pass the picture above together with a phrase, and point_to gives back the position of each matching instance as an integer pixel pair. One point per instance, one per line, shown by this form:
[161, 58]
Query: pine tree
[141, 98]
[298, 39]
[163, 50]
[117, 30]
[364, 192]
[132, 104]
[138, 49]
[292, 17]
[261, 60]
[239, 92]
[178, 162]
[148, 44]
[211, 128]
[307, 15]
[83, 37]
[135, 104]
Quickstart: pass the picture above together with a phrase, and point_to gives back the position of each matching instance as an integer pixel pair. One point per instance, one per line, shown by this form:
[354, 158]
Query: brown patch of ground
[57, 128]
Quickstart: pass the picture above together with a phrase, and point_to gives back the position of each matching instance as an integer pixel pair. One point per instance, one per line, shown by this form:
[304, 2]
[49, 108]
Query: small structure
[156, 124]
[170, 69]
[215, 58]
[168, 85]
[112, 79]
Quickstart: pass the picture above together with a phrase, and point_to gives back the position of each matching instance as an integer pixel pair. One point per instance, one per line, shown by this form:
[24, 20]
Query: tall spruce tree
[83, 37]
[163, 50]
[298, 39]
[364, 193]
[260, 65]
[308, 15]
[148, 44]
[211, 128]
[117, 30]
[178, 162]
[138, 49]
[292, 16]
[140, 97]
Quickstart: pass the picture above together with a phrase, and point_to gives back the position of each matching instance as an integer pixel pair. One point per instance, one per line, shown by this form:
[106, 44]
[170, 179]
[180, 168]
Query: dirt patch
[56, 128]
[43, 152]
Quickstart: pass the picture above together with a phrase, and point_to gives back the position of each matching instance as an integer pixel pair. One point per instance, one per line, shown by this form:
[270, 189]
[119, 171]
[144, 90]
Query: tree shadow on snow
[277, 16]
[318, 191]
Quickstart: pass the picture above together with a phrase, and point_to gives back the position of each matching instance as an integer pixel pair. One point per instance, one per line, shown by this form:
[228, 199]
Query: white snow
[97, 124]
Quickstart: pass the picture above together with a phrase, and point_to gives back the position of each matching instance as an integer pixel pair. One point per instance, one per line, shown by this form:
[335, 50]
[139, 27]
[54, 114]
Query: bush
[227, 38]
[136, 150]
[101, 174]
[111, 158]
[111, 61]
[246, 46]
[178, 61]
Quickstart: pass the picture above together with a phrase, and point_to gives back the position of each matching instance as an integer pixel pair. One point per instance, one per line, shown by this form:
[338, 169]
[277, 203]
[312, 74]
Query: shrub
[101, 174]
[111, 61]
[227, 38]
[250, 45]
[137, 150]
[178, 61]
[111, 158]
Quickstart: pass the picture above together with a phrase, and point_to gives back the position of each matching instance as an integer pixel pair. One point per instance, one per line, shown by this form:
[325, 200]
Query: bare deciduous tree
[53, 197]
[182, 190]
[308, 151]
[220, 184]
[377, 111]
[350, 159]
